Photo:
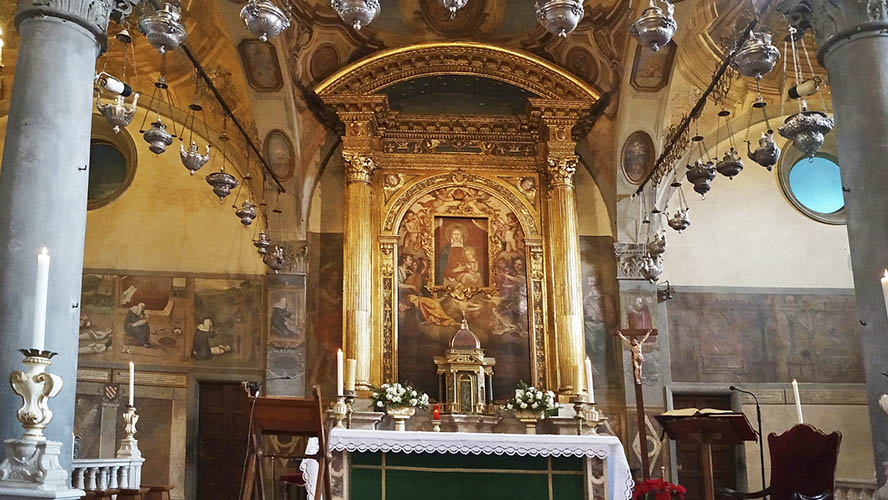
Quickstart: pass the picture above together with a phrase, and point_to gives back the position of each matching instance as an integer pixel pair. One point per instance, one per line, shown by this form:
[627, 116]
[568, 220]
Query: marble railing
[103, 474]
[854, 490]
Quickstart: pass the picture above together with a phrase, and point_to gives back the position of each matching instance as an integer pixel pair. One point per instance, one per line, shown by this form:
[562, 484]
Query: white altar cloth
[608, 448]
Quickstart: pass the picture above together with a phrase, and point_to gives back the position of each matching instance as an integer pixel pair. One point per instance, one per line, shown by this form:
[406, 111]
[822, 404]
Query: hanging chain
[803, 102]
[783, 87]
[811, 69]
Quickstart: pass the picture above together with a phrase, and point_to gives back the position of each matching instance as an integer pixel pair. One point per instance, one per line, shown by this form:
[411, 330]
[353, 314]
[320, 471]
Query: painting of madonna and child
[455, 267]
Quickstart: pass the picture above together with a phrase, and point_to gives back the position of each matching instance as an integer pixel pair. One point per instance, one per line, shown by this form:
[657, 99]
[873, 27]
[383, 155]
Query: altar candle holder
[35, 386]
[129, 446]
[340, 411]
[349, 408]
[579, 403]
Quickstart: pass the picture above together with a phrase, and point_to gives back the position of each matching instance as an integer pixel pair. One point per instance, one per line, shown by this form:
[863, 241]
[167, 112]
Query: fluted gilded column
[852, 39]
[357, 258]
[43, 190]
[564, 246]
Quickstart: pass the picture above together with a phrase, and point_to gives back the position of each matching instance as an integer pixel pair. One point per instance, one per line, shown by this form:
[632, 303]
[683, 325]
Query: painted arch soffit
[396, 210]
[515, 67]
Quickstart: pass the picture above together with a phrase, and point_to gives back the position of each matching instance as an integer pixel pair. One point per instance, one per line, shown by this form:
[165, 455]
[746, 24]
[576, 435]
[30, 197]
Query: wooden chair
[803, 466]
[287, 416]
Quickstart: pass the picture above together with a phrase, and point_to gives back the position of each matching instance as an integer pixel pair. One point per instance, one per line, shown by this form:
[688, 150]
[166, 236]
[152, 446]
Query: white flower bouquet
[398, 395]
[528, 398]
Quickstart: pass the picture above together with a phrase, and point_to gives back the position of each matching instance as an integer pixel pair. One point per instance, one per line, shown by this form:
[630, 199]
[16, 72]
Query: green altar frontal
[416, 465]
[403, 476]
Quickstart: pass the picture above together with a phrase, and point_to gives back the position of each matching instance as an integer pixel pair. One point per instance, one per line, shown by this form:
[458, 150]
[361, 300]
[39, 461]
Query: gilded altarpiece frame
[486, 194]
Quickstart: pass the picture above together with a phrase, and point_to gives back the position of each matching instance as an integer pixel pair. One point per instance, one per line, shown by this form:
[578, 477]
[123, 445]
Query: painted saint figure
[280, 320]
[136, 326]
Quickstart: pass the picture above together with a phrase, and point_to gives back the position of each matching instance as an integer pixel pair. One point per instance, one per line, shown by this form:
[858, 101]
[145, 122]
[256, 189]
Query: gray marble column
[43, 184]
[852, 37]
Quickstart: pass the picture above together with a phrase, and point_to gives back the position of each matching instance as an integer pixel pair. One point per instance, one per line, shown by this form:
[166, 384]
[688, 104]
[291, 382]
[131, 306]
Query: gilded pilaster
[557, 121]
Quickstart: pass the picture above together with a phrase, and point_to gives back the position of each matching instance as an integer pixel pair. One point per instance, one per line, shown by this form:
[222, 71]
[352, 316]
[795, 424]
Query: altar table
[391, 465]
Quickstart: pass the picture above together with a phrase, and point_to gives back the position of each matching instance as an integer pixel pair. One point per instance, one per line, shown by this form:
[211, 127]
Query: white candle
[589, 386]
[39, 335]
[885, 289]
[339, 377]
[132, 383]
[579, 376]
[350, 370]
[798, 401]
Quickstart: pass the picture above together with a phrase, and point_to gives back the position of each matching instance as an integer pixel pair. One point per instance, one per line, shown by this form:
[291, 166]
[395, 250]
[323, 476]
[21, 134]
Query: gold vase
[400, 414]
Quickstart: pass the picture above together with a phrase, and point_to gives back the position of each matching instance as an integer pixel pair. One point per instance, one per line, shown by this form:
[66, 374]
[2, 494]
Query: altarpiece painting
[461, 254]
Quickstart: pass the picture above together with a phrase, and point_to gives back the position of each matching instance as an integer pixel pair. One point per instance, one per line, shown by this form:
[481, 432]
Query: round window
[813, 185]
[111, 164]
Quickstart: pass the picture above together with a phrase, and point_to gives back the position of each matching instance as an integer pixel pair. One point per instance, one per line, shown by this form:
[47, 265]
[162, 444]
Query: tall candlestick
[351, 366]
[885, 288]
[132, 382]
[589, 385]
[339, 376]
[39, 334]
[798, 401]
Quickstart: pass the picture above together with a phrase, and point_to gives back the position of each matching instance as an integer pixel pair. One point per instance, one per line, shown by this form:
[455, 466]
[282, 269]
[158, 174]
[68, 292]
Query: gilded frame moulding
[528, 217]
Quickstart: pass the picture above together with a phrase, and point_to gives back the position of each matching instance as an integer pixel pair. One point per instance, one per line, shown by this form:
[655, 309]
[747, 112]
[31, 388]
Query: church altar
[375, 464]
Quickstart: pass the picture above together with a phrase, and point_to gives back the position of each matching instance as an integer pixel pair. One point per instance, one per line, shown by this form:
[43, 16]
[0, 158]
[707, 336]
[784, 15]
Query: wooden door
[224, 414]
[690, 469]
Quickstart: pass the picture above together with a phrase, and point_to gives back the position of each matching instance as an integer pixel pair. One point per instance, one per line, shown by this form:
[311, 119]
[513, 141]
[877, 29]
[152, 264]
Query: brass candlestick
[579, 403]
[349, 409]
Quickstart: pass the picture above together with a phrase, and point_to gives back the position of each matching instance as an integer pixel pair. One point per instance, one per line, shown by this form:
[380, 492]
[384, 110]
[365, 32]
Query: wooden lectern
[707, 427]
[286, 416]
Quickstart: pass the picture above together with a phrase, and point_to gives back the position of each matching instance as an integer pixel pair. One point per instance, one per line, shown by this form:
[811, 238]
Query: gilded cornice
[516, 67]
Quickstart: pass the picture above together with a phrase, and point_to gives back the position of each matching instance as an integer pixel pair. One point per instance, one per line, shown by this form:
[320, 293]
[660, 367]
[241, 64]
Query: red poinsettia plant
[658, 489]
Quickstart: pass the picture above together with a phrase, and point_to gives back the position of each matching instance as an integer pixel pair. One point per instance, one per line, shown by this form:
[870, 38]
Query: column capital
[836, 20]
[560, 171]
[358, 167]
[92, 15]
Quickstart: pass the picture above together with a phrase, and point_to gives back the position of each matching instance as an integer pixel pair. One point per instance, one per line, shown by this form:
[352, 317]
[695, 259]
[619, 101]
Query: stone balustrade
[103, 474]
[854, 489]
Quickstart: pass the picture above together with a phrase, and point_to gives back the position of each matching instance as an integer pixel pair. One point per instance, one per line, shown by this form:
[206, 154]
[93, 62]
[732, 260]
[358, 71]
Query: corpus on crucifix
[636, 347]
[630, 336]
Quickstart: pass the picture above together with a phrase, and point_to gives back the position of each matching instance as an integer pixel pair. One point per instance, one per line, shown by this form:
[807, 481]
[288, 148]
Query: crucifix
[630, 336]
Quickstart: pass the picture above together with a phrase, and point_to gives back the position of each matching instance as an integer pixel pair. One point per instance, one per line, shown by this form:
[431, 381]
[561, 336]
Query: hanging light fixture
[221, 181]
[702, 172]
[756, 57]
[731, 164]
[806, 129]
[156, 135]
[275, 260]
[681, 220]
[651, 268]
[116, 112]
[560, 17]
[246, 213]
[655, 28]
[264, 19]
[163, 30]
[262, 243]
[453, 6]
[191, 157]
[357, 13]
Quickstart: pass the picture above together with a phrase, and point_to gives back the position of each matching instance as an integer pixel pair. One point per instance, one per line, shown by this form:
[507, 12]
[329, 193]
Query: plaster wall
[167, 220]
[592, 213]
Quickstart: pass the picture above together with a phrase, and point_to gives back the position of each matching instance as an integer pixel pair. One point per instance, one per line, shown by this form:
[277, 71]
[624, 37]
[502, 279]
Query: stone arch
[515, 67]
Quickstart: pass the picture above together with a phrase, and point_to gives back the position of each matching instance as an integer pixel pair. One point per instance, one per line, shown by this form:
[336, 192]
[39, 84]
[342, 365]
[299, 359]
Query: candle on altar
[579, 375]
[798, 401]
[436, 412]
[351, 366]
[339, 374]
[885, 288]
[132, 382]
[39, 334]
[589, 385]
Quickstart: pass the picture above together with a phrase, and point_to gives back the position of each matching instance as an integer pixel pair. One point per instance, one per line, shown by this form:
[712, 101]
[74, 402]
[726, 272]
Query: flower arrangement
[658, 489]
[528, 398]
[398, 396]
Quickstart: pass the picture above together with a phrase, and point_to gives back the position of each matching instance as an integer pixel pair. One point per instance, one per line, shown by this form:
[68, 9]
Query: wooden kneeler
[286, 416]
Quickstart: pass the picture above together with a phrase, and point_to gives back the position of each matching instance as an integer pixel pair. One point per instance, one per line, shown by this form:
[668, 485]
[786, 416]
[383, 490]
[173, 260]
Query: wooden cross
[630, 337]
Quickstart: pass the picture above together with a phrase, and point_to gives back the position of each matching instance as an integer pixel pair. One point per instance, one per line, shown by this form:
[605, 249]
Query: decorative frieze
[630, 260]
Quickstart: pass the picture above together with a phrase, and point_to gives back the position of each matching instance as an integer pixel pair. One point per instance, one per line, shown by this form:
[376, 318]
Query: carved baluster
[77, 480]
[114, 483]
[124, 477]
[102, 479]
[91, 478]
